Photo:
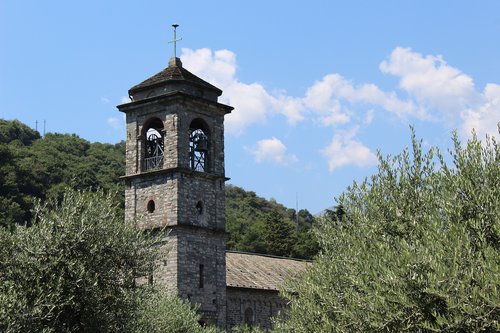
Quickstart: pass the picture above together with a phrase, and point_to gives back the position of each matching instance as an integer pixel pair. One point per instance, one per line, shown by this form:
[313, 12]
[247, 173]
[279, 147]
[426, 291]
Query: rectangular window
[200, 285]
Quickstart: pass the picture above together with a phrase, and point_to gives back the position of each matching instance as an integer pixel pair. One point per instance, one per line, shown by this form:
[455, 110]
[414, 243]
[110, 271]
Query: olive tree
[75, 270]
[417, 248]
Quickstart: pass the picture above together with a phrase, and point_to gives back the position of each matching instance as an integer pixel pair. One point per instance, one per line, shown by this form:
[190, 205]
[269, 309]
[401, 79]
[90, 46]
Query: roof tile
[255, 271]
[174, 73]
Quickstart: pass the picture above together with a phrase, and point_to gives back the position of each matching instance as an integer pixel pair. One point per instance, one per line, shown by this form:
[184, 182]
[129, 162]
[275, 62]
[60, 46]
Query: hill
[255, 224]
[32, 167]
[35, 168]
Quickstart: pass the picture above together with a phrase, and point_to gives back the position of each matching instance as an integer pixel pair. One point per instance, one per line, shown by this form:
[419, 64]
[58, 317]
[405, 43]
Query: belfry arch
[153, 134]
[199, 145]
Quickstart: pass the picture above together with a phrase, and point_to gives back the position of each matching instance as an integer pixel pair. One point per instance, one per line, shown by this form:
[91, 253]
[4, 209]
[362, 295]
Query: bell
[201, 145]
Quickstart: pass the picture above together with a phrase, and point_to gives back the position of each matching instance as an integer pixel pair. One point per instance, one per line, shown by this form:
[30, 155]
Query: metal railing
[151, 163]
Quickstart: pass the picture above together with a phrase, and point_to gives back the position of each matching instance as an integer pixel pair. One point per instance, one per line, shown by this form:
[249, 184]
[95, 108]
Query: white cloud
[252, 105]
[272, 150]
[431, 81]
[251, 101]
[326, 98]
[345, 150]
[389, 101]
[291, 107]
[485, 117]
[115, 123]
[368, 117]
[105, 100]
[445, 92]
[125, 99]
[219, 67]
[321, 98]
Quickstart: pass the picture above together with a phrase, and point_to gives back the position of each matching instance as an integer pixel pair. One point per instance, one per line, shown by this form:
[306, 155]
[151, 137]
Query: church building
[175, 178]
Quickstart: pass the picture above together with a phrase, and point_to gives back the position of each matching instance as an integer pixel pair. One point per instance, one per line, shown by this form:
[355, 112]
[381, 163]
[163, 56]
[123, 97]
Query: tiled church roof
[256, 271]
[174, 72]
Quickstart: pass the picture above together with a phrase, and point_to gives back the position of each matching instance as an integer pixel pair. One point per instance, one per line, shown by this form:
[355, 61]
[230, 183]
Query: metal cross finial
[175, 39]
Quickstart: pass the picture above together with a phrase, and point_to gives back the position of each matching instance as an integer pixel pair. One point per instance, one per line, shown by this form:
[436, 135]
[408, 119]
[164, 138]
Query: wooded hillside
[32, 168]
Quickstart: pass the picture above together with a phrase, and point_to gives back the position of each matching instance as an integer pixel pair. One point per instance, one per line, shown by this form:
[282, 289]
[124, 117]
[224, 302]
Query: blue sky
[318, 86]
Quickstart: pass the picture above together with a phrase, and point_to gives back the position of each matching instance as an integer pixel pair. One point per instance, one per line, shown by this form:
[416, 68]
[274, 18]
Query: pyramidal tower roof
[174, 79]
[171, 76]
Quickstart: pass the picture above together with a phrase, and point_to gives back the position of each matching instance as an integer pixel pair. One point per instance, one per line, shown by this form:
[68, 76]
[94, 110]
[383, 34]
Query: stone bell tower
[175, 178]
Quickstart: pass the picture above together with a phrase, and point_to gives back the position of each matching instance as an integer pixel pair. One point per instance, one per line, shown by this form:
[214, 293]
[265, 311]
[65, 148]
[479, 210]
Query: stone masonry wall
[261, 304]
[201, 202]
[162, 191]
[202, 272]
[166, 273]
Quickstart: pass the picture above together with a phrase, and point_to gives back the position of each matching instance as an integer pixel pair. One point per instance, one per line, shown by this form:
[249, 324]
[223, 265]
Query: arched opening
[150, 206]
[199, 207]
[199, 145]
[154, 144]
[249, 320]
[201, 277]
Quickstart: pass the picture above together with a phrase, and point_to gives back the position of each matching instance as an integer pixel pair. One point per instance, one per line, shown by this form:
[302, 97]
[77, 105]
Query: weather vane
[175, 39]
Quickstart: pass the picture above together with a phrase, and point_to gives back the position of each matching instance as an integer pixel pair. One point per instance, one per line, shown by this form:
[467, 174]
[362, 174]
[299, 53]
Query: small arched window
[199, 207]
[154, 144]
[150, 206]
[249, 320]
[198, 145]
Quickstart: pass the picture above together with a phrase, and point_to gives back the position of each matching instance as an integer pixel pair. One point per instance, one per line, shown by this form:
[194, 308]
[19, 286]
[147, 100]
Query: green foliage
[33, 167]
[249, 226]
[242, 328]
[15, 185]
[74, 271]
[278, 234]
[63, 160]
[17, 132]
[416, 249]
[159, 312]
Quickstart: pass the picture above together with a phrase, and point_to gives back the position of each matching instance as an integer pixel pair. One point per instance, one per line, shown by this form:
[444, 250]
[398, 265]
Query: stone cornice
[169, 98]
[177, 170]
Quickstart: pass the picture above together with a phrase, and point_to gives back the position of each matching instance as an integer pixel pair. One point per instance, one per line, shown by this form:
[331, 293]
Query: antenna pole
[297, 207]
